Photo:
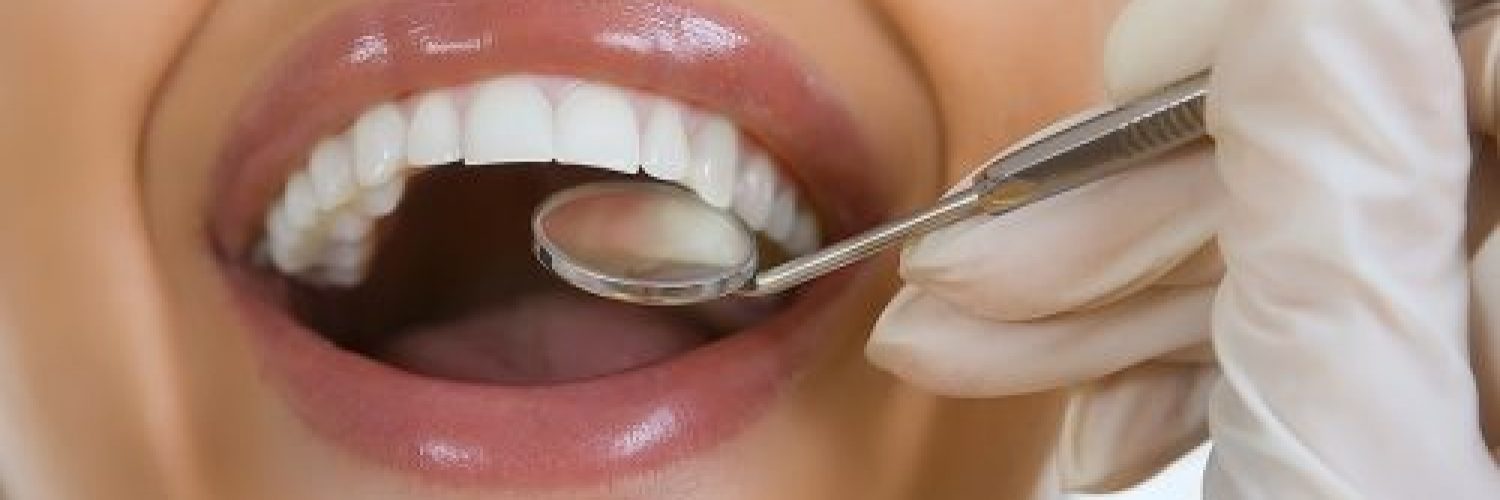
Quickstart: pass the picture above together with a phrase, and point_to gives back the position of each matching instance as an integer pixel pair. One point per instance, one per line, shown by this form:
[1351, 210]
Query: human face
[149, 355]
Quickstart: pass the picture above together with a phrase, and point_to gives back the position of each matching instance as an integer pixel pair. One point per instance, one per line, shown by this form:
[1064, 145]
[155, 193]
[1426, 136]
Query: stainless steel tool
[652, 274]
[719, 257]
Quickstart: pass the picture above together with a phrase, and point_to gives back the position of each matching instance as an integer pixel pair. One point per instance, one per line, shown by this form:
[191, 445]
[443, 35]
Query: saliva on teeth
[320, 230]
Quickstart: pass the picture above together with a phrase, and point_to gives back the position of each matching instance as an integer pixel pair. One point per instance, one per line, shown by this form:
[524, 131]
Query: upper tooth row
[320, 227]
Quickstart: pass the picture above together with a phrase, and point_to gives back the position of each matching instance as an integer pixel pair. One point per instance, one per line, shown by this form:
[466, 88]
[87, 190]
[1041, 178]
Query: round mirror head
[643, 242]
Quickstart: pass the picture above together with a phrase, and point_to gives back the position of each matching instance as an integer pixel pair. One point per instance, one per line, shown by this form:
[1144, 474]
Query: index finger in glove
[928, 342]
[1340, 325]
[1080, 249]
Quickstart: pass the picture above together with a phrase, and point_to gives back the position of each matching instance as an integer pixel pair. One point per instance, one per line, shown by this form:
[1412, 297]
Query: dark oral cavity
[454, 292]
[544, 337]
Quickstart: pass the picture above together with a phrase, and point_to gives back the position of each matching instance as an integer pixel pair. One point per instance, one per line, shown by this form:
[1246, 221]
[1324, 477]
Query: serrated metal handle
[1093, 149]
[1098, 147]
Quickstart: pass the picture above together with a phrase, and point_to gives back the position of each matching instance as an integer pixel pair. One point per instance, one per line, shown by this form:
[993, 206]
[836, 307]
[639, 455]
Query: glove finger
[1340, 327]
[1079, 249]
[940, 347]
[1122, 429]
[1156, 42]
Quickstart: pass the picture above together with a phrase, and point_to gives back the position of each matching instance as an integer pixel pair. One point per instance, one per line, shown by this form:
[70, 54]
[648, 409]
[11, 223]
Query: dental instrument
[617, 264]
[664, 246]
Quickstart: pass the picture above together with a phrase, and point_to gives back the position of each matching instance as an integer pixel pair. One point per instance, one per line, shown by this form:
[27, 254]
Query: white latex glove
[1341, 326]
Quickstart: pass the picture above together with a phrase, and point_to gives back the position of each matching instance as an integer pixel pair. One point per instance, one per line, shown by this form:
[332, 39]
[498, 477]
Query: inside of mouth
[454, 291]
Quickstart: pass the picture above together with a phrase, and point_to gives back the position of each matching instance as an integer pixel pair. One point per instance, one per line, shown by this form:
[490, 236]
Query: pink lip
[390, 48]
[539, 436]
[561, 435]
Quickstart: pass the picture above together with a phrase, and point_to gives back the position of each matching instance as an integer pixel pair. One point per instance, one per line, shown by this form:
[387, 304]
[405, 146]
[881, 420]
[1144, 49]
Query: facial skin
[126, 374]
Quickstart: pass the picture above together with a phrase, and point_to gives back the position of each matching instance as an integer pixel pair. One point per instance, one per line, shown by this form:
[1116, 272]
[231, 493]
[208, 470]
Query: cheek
[78, 299]
[1000, 70]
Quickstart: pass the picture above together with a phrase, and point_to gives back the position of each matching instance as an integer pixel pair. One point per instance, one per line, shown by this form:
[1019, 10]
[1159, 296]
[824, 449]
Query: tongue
[545, 338]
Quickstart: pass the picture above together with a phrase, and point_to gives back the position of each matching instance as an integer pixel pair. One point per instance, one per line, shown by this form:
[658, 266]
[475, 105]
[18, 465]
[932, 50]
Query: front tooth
[664, 145]
[783, 215]
[379, 144]
[330, 169]
[596, 125]
[509, 120]
[755, 190]
[716, 150]
[435, 136]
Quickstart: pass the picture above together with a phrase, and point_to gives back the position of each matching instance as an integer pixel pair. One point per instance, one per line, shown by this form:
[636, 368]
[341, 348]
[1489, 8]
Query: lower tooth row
[320, 230]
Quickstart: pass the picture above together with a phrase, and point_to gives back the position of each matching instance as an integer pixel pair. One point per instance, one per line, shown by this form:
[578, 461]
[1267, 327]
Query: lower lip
[563, 435]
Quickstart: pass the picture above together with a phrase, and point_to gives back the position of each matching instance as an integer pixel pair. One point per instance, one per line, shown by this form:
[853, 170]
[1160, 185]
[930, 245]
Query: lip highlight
[568, 434]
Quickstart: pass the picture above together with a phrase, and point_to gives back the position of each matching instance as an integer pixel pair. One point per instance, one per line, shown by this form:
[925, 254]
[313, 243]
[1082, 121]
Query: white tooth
[596, 126]
[299, 201]
[350, 225]
[331, 171]
[509, 120]
[291, 247]
[281, 241]
[435, 135]
[286, 245]
[287, 256]
[346, 255]
[344, 264]
[716, 150]
[664, 145]
[383, 199]
[755, 190]
[783, 215]
[805, 235]
[379, 138]
[277, 225]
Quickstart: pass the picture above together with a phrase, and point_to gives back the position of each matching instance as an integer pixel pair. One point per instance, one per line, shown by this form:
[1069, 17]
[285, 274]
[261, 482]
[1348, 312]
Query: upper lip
[592, 429]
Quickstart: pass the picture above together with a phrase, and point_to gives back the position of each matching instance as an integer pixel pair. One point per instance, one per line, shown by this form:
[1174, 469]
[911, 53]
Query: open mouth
[373, 214]
[461, 300]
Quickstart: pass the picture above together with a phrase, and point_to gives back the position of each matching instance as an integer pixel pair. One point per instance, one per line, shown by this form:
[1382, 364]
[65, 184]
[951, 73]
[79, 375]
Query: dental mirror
[659, 244]
[629, 249]
[643, 242]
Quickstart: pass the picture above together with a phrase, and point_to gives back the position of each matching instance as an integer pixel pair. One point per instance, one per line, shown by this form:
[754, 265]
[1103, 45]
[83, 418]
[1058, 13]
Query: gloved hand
[1336, 194]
